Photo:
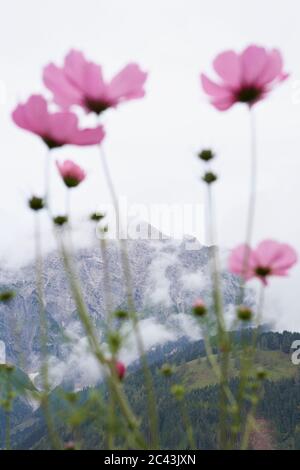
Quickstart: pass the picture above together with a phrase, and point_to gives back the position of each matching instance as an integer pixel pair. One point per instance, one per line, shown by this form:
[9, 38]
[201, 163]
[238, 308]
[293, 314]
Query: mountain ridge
[167, 277]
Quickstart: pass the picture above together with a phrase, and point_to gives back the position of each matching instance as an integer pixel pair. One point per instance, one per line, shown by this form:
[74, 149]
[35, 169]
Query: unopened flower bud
[167, 370]
[114, 341]
[178, 391]
[71, 173]
[209, 177]
[121, 369]
[199, 308]
[7, 296]
[60, 220]
[121, 314]
[206, 155]
[36, 203]
[97, 216]
[244, 313]
[261, 373]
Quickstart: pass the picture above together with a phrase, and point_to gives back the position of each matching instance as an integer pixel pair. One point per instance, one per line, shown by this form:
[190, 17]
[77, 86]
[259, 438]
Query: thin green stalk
[251, 203]
[7, 430]
[68, 205]
[111, 418]
[244, 363]
[106, 281]
[8, 410]
[252, 351]
[108, 305]
[216, 369]
[55, 441]
[253, 182]
[151, 399]
[47, 183]
[250, 421]
[222, 333]
[188, 426]
[132, 422]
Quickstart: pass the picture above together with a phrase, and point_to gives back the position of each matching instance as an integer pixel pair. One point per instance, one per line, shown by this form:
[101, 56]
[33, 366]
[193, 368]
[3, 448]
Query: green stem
[244, 362]
[251, 203]
[108, 305]
[44, 337]
[250, 421]
[151, 399]
[253, 181]
[106, 281]
[111, 418]
[68, 205]
[94, 344]
[222, 333]
[216, 369]
[188, 426]
[251, 356]
[47, 182]
[7, 430]
[8, 411]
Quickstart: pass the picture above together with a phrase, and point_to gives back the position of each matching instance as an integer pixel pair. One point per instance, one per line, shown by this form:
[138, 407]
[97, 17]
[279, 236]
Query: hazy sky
[151, 143]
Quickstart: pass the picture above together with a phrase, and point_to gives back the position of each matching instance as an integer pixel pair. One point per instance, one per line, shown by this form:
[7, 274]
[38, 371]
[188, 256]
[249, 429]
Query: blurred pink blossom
[270, 258]
[121, 369]
[81, 82]
[246, 77]
[71, 173]
[55, 129]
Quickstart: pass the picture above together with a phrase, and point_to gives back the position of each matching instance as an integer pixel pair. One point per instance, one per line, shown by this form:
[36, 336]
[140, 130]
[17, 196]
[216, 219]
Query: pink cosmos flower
[246, 77]
[55, 129]
[71, 173]
[81, 82]
[121, 369]
[270, 258]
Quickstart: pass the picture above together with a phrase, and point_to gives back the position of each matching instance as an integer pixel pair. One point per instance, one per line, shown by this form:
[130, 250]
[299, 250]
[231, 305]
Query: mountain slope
[278, 415]
[167, 277]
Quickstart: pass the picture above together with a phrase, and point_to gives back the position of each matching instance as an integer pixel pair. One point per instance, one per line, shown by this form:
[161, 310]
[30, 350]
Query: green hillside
[197, 374]
[278, 413]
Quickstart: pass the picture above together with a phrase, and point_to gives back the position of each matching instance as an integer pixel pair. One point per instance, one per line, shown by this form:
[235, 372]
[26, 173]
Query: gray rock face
[167, 277]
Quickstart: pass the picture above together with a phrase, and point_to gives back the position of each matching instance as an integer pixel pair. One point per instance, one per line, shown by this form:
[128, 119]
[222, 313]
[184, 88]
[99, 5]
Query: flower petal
[86, 75]
[253, 60]
[276, 256]
[63, 127]
[287, 259]
[213, 89]
[228, 67]
[238, 261]
[69, 169]
[223, 104]
[128, 83]
[33, 115]
[88, 136]
[65, 94]
[272, 68]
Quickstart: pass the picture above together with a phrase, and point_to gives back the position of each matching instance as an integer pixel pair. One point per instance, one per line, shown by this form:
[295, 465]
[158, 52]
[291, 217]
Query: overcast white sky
[151, 143]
